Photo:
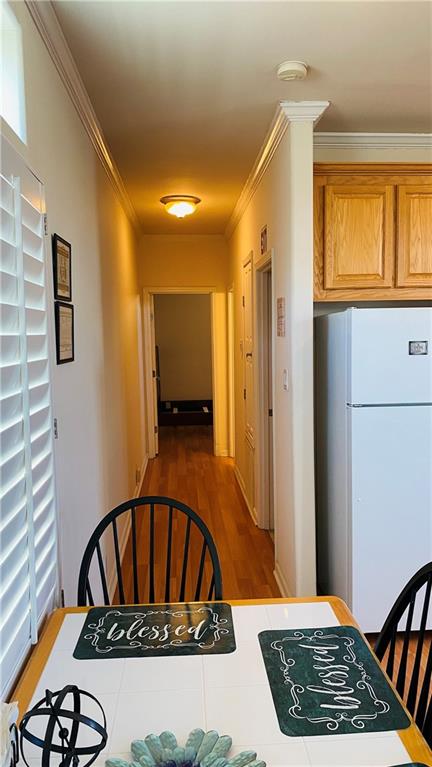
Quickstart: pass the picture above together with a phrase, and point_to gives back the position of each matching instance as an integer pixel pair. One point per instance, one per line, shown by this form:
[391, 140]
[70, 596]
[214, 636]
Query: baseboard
[242, 486]
[221, 452]
[281, 582]
[112, 580]
[139, 485]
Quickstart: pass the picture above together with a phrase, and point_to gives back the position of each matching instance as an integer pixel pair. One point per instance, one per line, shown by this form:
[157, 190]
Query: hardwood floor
[187, 470]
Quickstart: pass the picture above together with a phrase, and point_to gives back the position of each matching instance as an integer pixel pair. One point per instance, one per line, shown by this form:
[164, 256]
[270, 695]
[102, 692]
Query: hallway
[187, 470]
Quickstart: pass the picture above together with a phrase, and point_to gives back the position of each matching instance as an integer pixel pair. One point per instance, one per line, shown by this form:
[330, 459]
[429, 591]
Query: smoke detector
[292, 70]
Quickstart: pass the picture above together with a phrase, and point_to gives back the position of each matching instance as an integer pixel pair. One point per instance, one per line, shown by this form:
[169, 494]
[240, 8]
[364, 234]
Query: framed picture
[264, 240]
[62, 266]
[64, 327]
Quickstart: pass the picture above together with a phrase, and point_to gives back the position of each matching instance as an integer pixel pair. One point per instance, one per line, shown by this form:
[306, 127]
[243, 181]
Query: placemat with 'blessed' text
[326, 682]
[156, 630]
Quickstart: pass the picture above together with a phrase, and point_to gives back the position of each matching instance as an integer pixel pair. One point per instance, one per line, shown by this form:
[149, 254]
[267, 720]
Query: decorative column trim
[48, 26]
[304, 111]
[286, 112]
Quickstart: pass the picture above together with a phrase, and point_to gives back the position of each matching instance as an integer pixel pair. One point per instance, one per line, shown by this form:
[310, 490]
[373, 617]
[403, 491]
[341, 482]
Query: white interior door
[155, 373]
[150, 374]
[269, 360]
[248, 370]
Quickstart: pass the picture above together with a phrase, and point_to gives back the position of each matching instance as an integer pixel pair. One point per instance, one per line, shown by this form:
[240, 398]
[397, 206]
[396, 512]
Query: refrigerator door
[390, 356]
[391, 521]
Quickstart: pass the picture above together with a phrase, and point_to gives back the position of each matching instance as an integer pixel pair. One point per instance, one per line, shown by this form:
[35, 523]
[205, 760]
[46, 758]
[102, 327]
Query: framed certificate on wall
[62, 268]
[64, 328]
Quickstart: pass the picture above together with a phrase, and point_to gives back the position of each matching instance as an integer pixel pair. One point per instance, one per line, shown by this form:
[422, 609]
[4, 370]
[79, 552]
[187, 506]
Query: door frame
[262, 266]
[219, 388]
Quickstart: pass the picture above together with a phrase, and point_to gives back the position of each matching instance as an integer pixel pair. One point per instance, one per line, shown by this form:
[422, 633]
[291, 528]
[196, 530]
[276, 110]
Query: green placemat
[325, 681]
[156, 630]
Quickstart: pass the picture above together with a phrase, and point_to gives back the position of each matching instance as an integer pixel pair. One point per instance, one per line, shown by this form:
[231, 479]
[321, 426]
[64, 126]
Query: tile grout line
[203, 695]
[116, 707]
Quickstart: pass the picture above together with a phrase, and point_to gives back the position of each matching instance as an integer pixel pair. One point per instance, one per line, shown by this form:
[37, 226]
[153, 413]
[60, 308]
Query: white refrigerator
[373, 455]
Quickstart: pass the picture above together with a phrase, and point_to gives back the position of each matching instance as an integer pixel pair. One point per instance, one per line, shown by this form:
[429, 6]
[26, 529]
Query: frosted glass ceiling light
[180, 205]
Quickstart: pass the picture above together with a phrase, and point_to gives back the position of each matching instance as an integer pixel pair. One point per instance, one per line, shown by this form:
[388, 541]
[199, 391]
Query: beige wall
[183, 335]
[96, 398]
[183, 261]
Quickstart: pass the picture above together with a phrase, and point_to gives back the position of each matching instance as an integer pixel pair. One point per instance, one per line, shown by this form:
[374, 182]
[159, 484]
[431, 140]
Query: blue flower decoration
[202, 749]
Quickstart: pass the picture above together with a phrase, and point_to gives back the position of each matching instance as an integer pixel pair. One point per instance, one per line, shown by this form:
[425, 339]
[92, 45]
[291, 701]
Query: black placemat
[156, 630]
[326, 681]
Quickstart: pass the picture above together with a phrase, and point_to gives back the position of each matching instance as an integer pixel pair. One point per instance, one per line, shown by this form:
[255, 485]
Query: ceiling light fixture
[292, 70]
[180, 205]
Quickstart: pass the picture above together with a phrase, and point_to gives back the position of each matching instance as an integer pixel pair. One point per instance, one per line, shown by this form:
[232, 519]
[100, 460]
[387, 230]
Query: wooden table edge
[411, 737]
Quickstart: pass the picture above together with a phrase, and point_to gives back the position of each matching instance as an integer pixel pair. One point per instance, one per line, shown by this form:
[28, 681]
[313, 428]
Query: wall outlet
[137, 475]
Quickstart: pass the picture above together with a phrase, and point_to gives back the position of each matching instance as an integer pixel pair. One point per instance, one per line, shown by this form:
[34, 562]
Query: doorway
[170, 370]
[264, 393]
[184, 379]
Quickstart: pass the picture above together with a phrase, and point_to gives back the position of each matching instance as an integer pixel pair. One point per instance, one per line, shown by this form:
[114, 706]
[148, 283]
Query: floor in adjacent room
[187, 470]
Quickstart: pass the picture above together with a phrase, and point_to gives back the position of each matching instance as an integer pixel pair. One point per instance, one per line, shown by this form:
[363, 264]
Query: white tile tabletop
[227, 692]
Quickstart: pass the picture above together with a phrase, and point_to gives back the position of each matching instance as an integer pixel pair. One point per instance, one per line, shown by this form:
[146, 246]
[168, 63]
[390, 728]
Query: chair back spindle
[169, 554]
[407, 630]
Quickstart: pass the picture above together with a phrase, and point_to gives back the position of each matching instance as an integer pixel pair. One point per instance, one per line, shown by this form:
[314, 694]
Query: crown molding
[374, 140]
[303, 111]
[286, 112]
[48, 26]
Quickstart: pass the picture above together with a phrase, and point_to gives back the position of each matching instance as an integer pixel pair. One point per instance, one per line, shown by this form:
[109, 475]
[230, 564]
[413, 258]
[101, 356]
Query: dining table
[227, 691]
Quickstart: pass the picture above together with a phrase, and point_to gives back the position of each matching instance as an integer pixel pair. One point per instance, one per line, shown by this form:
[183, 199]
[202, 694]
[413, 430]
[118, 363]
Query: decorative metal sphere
[64, 725]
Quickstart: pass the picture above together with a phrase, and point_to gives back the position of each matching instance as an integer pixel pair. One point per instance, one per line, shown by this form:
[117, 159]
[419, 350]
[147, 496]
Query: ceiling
[185, 91]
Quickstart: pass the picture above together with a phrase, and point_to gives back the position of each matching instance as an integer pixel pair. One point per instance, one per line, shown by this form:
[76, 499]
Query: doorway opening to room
[182, 335]
[183, 357]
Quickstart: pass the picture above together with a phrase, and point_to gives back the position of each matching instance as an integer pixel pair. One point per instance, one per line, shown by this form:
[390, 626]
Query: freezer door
[381, 368]
[391, 524]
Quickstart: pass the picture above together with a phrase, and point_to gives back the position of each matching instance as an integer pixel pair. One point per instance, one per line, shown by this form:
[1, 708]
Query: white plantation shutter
[28, 543]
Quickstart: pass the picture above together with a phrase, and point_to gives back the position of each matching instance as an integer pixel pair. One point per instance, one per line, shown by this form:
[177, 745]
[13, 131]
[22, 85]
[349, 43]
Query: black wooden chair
[412, 607]
[169, 549]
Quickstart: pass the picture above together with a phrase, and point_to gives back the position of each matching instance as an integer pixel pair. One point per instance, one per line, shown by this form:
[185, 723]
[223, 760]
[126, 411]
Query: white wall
[183, 335]
[283, 202]
[96, 398]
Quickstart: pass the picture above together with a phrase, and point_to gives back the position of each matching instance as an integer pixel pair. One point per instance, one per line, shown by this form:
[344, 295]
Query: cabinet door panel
[414, 236]
[359, 236]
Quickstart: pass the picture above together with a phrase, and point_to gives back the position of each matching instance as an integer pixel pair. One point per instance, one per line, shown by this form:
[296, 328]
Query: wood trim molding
[286, 112]
[48, 26]
[375, 168]
[242, 486]
[374, 140]
[281, 582]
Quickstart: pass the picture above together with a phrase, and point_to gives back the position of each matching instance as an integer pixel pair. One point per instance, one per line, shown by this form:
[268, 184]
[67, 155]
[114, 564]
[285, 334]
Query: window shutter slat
[7, 257]
[11, 527]
[28, 536]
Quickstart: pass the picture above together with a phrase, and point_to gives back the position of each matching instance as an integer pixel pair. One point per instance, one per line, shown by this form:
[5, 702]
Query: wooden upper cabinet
[358, 236]
[372, 232]
[414, 264]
